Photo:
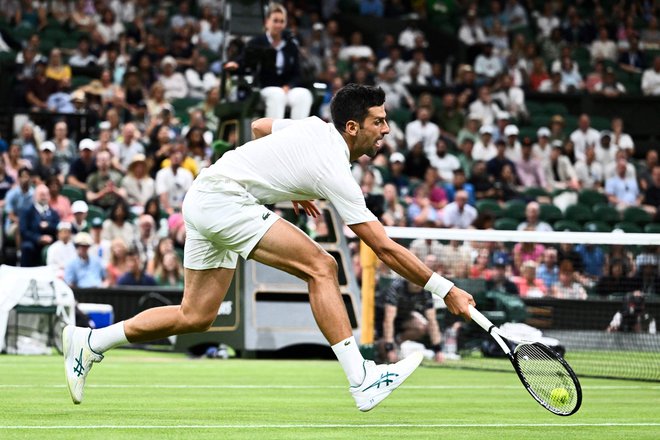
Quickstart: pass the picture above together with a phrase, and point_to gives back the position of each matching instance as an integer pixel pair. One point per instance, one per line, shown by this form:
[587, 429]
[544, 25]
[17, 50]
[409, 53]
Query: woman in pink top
[58, 202]
[523, 252]
[528, 285]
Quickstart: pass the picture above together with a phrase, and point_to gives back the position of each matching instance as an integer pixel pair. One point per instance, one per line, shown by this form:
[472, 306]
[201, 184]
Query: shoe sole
[66, 348]
[417, 359]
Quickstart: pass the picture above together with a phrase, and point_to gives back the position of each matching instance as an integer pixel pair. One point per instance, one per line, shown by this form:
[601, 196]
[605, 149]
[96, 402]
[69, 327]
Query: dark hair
[352, 103]
[156, 215]
[24, 170]
[113, 210]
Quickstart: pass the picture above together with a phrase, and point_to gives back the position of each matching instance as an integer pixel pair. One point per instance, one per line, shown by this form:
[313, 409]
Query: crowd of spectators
[147, 76]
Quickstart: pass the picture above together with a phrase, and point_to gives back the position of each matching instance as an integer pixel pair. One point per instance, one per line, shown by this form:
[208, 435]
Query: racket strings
[547, 378]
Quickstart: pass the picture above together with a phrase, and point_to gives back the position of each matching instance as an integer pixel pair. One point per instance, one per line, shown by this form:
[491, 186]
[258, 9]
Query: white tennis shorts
[222, 224]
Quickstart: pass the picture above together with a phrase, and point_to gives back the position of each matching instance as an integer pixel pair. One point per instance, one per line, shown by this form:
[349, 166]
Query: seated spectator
[38, 227]
[595, 77]
[603, 48]
[606, 152]
[620, 139]
[40, 87]
[506, 185]
[494, 166]
[157, 102]
[13, 161]
[416, 162]
[528, 284]
[610, 87]
[135, 274]
[567, 287]
[394, 213]
[451, 118]
[484, 108]
[83, 166]
[46, 167]
[617, 281]
[459, 214]
[65, 148]
[480, 268]
[610, 167]
[647, 278]
[513, 147]
[583, 136]
[526, 251]
[57, 201]
[79, 210]
[553, 84]
[529, 169]
[633, 59]
[593, 259]
[118, 225]
[117, 261]
[589, 171]
[17, 200]
[6, 183]
[57, 70]
[622, 191]
[465, 156]
[424, 131]
[482, 184]
[373, 199]
[108, 28]
[458, 258]
[104, 186]
[548, 270]
[538, 75]
[62, 252]
[443, 161]
[397, 94]
[128, 146]
[397, 175]
[510, 97]
[470, 130]
[420, 210]
[436, 191]
[484, 149]
[139, 185]
[200, 79]
[570, 77]
[499, 281]
[651, 199]
[533, 223]
[471, 33]
[395, 60]
[487, 65]
[459, 182]
[651, 79]
[213, 37]
[559, 172]
[172, 183]
[170, 273]
[82, 57]
[85, 271]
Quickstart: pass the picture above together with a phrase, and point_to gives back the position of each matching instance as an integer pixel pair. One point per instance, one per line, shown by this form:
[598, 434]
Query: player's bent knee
[326, 265]
[198, 323]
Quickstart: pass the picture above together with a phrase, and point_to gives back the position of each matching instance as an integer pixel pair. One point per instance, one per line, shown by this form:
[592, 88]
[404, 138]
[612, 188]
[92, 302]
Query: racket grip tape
[480, 319]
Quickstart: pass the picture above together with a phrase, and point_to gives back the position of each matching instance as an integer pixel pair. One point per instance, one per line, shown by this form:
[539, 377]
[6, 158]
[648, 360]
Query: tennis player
[225, 217]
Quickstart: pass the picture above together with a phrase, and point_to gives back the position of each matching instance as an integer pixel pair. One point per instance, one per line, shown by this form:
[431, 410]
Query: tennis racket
[545, 374]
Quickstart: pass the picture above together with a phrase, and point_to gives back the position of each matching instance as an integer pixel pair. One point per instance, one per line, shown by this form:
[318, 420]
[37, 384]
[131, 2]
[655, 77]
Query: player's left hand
[308, 205]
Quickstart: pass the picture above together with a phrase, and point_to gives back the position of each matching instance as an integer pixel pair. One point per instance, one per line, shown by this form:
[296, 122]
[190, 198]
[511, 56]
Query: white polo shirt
[305, 159]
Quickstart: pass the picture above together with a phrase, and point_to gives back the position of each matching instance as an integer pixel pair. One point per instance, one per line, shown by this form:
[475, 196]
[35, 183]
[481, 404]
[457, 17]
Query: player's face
[371, 132]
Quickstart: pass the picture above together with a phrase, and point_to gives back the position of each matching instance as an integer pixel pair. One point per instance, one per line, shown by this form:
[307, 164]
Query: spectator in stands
[553, 84]
[610, 87]
[651, 78]
[82, 57]
[40, 87]
[85, 271]
[451, 119]
[484, 149]
[397, 175]
[527, 251]
[373, 198]
[46, 167]
[281, 86]
[480, 181]
[513, 147]
[647, 278]
[212, 37]
[394, 214]
[172, 182]
[83, 165]
[651, 200]
[548, 270]
[571, 79]
[538, 74]
[484, 108]
[529, 169]
[199, 78]
[632, 60]
[13, 161]
[620, 139]
[528, 284]
[546, 21]
[465, 156]
[57, 201]
[532, 221]
[510, 97]
[117, 260]
[499, 281]
[616, 281]
[170, 273]
[62, 252]
[645, 175]
[424, 131]
[420, 210]
[397, 94]
[457, 256]
[164, 246]
[104, 185]
[118, 224]
[541, 149]
[559, 172]
[57, 70]
[139, 185]
[65, 148]
[459, 182]
[611, 166]
[108, 28]
[593, 259]
[416, 162]
[494, 166]
[38, 226]
[605, 151]
[472, 34]
[622, 191]
[355, 50]
[603, 48]
[589, 171]
[79, 210]
[135, 274]
[128, 146]
[443, 161]
[568, 287]
[487, 65]
[459, 214]
[174, 83]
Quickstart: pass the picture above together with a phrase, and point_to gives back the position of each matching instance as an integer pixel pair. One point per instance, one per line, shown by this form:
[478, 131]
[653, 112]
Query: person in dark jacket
[279, 76]
[38, 227]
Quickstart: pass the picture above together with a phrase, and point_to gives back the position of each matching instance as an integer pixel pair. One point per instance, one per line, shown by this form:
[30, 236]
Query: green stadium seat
[95, 212]
[73, 193]
[514, 209]
[601, 122]
[183, 105]
[591, 197]
[489, 205]
[506, 224]
[567, 225]
[652, 228]
[628, 227]
[220, 147]
[636, 215]
[579, 213]
[536, 192]
[555, 108]
[550, 213]
[78, 81]
[597, 226]
[534, 108]
[606, 213]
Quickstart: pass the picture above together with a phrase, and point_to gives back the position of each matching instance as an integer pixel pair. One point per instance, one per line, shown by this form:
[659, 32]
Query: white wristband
[438, 285]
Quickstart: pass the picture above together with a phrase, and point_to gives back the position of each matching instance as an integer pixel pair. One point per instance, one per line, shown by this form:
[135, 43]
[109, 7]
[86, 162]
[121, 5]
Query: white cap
[486, 129]
[503, 115]
[79, 206]
[169, 59]
[63, 225]
[87, 144]
[397, 157]
[105, 125]
[511, 130]
[47, 145]
[543, 131]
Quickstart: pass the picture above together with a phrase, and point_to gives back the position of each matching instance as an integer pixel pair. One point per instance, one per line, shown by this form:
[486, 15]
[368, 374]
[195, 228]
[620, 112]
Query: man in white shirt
[444, 161]
[174, 82]
[484, 107]
[225, 217]
[513, 147]
[200, 79]
[394, 59]
[487, 66]
[173, 182]
[424, 131]
[541, 149]
[623, 141]
[584, 135]
[459, 214]
[128, 146]
[532, 219]
[62, 251]
[484, 149]
[651, 78]
[471, 33]
[589, 171]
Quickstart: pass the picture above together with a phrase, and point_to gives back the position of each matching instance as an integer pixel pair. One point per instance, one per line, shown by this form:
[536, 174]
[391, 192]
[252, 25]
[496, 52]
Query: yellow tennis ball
[559, 396]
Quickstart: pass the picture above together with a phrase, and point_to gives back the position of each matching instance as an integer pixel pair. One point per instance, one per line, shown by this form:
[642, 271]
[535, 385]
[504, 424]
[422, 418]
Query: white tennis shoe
[78, 359]
[381, 380]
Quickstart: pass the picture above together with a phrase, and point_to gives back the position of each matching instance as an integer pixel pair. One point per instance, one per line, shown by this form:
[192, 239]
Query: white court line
[332, 426]
[324, 387]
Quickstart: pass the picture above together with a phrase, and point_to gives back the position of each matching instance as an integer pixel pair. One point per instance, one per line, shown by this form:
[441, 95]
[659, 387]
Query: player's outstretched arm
[406, 264]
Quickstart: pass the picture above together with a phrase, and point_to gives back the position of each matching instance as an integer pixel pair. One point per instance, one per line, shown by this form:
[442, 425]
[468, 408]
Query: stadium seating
[591, 197]
[652, 228]
[506, 224]
[597, 226]
[73, 193]
[95, 212]
[514, 209]
[606, 213]
[567, 225]
[578, 213]
[550, 213]
[489, 205]
[636, 215]
[628, 227]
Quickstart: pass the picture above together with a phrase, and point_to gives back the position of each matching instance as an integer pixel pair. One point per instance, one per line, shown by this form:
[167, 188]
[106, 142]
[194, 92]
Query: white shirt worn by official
[269, 168]
[581, 138]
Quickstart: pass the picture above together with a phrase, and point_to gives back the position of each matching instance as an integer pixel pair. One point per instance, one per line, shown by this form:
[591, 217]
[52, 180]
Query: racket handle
[480, 319]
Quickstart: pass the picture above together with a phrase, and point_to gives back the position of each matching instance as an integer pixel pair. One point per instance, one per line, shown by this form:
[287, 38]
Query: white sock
[351, 360]
[103, 339]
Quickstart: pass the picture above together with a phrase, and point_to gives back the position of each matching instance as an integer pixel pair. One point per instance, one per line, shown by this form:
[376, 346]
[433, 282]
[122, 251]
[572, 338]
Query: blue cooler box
[101, 314]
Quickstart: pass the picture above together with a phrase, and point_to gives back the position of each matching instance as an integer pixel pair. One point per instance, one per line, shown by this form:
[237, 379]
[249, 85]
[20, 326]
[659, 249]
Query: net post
[369, 261]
